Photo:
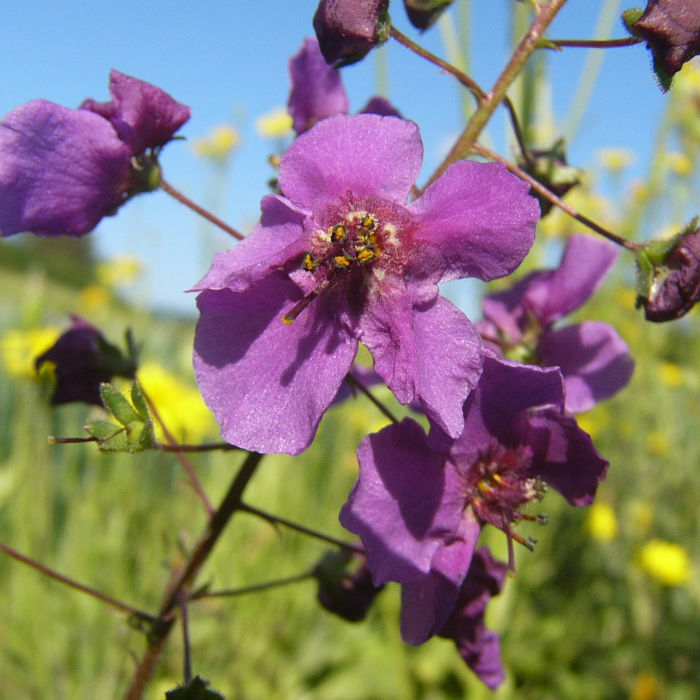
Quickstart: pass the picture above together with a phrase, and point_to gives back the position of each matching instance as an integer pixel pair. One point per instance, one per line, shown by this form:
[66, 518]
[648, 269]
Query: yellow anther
[368, 222]
[342, 261]
[365, 255]
[338, 233]
[309, 262]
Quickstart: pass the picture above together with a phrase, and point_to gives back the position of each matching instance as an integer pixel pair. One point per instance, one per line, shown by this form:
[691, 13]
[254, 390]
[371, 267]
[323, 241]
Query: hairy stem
[254, 588]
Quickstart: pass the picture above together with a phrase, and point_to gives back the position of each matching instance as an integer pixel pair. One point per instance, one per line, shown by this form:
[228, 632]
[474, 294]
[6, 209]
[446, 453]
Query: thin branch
[255, 588]
[71, 583]
[205, 447]
[167, 187]
[590, 43]
[486, 108]
[187, 661]
[194, 481]
[277, 520]
[541, 189]
[353, 381]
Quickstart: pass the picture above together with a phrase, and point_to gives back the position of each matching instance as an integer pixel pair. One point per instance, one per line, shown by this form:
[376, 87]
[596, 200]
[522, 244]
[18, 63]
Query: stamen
[338, 233]
[309, 262]
[292, 314]
[368, 222]
[343, 261]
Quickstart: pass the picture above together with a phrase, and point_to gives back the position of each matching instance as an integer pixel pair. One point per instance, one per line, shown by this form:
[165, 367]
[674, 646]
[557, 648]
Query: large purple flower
[420, 501]
[593, 358]
[62, 170]
[317, 90]
[340, 259]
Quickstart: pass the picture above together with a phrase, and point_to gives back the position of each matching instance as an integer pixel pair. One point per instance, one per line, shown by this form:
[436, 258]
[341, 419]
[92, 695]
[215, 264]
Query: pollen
[368, 222]
[342, 262]
[366, 255]
[338, 233]
[309, 262]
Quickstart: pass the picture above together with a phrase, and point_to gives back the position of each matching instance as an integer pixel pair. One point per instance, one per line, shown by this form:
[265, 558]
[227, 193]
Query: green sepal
[629, 17]
[110, 437]
[138, 398]
[196, 689]
[645, 276]
[118, 405]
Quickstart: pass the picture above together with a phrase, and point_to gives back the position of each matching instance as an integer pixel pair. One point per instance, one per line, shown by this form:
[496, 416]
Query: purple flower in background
[420, 501]
[82, 359]
[317, 90]
[348, 29]
[62, 170]
[341, 258]
[478, 646]
[593, 358]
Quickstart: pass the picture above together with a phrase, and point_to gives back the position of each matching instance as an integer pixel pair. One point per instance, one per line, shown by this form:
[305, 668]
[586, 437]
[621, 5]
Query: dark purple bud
[345, 585]
[348, 29]
[550, 168]
[674, 285]
[671, 29]
[82, 359]
[424, 13]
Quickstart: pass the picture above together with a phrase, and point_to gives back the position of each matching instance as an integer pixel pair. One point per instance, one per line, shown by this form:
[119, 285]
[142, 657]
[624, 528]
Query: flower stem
[167, 187]
[589, 43]
[183, 577]
[184, 621]
[255, 588]
[353, 381]
[277, 520]
[528, 44]
[71, 583]
[541, 189]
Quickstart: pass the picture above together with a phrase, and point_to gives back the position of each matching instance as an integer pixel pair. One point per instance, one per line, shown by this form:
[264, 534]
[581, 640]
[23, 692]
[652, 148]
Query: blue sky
[228, 62]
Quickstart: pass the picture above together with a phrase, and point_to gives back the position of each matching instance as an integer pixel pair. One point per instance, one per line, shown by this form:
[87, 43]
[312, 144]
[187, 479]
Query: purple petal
[593, 358]
[476, 220]
[268, 383]
[427, 605]
[582, 270]
[504, 313]
[564, 456]
[277, 239]
[317, 89]
[382, 106]
[365, 154]
[61, 170]
[396, 507]
[142, 114]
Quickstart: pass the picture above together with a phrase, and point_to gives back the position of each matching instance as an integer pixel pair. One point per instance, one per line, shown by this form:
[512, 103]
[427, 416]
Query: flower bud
[348, 29]
[424, 13]
[671, 29]
[669, 276]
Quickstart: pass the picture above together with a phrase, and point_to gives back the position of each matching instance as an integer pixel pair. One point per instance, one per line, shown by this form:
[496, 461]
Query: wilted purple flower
[82, 359]
[317, 90]
[671, 29]
[62, 170]
[424, 13]
[345, 585]
[675, 285]
[593, 358]
[420, 501]
[340, 259]
[478, 646]
[348, 29]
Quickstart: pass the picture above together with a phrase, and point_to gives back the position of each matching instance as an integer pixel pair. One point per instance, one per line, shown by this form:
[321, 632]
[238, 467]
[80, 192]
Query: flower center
[349, 246]
[498, 486]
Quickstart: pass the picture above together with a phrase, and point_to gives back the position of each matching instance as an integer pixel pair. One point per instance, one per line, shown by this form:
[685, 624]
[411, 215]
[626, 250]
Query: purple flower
[317, 90]
[62, 170]
[348, 29]
[340, 259]
[83, 359]
[593, 358]
[478, 646]
[671, 29]
[420, 501]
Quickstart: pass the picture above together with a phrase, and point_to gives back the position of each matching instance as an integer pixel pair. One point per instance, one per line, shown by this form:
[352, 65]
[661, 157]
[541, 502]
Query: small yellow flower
[93, 298]
[179, 405]
[658, 442]
[602, 522]
[218, 144]
[19, 349]
[671, 374]
[121, 271]
[665, 561]
[679, 163]
[616, 159]
[275, 124]
[646, 687]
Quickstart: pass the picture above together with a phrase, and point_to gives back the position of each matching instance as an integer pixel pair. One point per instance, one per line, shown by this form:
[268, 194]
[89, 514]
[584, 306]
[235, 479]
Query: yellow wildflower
[219, 143]
[92, 298]
[616, 159]
[658, 442]
[19, 349]
[120, 271]
[646, 687]
[275, 124]
[602, 522]
[671, 374]
[179, 405]
[679, 163]
[667, 562]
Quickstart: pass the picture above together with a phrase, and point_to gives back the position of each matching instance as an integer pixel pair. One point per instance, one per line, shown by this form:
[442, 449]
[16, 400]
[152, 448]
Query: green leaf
[196, 689]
